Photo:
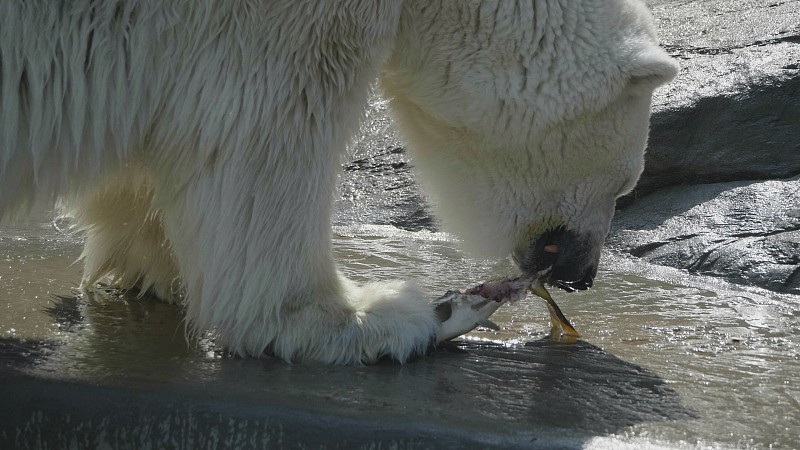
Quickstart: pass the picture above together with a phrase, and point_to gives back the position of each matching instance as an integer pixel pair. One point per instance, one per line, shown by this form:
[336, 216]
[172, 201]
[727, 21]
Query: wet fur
[198, 142]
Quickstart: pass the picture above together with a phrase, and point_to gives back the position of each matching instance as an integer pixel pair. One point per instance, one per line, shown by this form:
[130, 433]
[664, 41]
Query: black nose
[563, 257]
[566, 278]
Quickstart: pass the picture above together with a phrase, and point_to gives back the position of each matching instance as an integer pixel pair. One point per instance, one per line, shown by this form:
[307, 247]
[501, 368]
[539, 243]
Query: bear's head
[526, 119]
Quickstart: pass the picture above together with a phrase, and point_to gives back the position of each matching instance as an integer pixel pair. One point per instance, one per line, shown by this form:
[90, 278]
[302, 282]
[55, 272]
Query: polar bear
[198, 144]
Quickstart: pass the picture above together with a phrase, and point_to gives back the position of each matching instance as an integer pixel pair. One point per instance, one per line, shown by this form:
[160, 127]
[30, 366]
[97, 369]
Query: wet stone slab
[662, 364]
[123, 376]
[747, 232]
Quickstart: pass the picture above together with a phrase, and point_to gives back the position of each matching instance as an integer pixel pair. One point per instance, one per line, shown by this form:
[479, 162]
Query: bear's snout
[560, 257]
[561, 276]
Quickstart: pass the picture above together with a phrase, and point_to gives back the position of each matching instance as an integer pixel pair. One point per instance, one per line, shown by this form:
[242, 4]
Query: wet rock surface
[746, 232]
[733, 112]
[543, 395]
[732, 115]
[377, 185]
[660, 366]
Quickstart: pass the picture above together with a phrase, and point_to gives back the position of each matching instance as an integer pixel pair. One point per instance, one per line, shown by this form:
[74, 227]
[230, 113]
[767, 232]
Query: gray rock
[733, 112]
[747, 232]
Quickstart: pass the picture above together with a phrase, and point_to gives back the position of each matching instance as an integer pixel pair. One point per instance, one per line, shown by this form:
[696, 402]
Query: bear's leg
[253, 242]
[125, 240]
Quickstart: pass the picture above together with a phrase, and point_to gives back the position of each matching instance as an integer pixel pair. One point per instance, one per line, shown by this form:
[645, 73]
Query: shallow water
[730, 353]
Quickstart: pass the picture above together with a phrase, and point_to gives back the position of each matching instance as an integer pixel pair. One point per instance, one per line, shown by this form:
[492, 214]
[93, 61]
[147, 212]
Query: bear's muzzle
[560, 257]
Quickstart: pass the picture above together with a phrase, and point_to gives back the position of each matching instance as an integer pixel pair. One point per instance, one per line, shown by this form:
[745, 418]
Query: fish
[461, 312]
[560, 328]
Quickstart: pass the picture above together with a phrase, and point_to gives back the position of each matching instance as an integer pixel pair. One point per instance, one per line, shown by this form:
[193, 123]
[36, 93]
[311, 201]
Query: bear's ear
[652, 68]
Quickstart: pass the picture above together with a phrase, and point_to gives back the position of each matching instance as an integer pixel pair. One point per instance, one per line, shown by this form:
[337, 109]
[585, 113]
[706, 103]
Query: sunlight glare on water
[731, 351]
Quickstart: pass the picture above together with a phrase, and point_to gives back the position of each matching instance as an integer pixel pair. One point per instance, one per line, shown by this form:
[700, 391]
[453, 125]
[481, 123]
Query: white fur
[199, 140]
[523, 115]
[125, 237]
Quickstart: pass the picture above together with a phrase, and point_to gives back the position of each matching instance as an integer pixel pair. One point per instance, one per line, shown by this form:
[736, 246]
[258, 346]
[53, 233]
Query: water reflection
[65, 310]
[107, 334]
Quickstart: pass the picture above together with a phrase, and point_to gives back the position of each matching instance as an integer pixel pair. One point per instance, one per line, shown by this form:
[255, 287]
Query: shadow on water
[521, 393]
[571, 386]
[107, 333]
[18, 353]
